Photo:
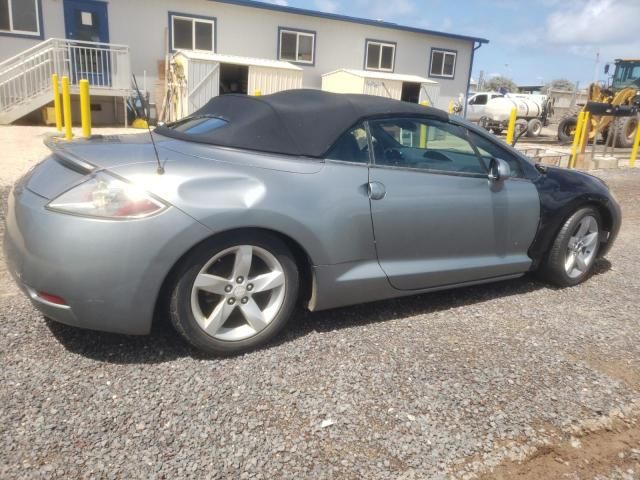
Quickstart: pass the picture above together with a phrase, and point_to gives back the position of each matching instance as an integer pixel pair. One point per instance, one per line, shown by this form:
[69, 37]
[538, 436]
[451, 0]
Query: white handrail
[28, 75]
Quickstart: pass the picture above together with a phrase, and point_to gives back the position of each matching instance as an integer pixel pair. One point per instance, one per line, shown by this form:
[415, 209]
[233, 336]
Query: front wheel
[234, 293]
[625, 128]
[575, 249]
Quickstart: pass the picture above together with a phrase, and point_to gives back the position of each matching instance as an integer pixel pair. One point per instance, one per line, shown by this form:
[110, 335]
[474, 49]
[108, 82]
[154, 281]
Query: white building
[147, 31]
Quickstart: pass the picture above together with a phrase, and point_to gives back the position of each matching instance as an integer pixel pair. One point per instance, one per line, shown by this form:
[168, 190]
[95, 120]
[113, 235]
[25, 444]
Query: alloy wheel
[238, 293]
[582, 247]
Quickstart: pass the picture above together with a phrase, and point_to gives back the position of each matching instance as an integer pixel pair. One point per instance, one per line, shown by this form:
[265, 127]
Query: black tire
[565, 128]
[182, 315]
[553, 269]
[626, 128]
[534, 128]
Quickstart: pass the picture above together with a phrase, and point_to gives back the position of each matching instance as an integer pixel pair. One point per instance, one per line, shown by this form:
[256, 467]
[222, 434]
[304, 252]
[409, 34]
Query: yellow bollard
[451, 105]
[56, 101]
[576, 139]
[511, 131]
[634, 151]
[85, 108]
[583, 135]
[257, 93]
[66, 106]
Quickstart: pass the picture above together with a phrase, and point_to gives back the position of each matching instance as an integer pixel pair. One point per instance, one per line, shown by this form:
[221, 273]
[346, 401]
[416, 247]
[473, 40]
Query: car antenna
[146, 113]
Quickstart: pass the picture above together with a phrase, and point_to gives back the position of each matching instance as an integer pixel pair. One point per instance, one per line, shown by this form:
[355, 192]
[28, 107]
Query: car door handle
[377, 191]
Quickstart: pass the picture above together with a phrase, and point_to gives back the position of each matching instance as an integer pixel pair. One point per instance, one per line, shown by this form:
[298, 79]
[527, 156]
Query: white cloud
[329, 6]
[386, 10]
[282, 3]
[603, 22]
[607, 26]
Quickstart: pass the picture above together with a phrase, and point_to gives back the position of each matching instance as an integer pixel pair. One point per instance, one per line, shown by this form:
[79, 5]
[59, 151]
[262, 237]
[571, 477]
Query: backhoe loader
[623, 91]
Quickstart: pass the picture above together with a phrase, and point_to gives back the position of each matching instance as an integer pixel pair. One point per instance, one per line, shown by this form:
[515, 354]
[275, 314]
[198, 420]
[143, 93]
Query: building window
[20, 17]
[193, 33]
[380, 56]
[297, 46]
[443, 63]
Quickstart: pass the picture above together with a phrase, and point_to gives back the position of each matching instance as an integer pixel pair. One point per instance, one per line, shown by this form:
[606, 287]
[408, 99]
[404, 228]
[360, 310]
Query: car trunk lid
[71, 162]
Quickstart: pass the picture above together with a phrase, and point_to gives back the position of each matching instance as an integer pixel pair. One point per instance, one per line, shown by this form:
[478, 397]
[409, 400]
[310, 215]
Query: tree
[559, 84]
[499, 82]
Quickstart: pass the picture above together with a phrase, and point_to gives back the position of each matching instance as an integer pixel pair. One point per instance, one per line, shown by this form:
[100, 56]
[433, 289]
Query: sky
[530, 41]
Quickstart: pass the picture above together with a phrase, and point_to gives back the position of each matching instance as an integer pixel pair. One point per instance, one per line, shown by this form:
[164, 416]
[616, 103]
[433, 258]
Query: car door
[438, 220]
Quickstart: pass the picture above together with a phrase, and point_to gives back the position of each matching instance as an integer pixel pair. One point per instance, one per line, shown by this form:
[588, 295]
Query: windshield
[627, 74]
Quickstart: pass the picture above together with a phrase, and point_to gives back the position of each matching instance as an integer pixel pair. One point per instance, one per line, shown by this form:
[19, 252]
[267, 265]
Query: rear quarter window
[198, 125]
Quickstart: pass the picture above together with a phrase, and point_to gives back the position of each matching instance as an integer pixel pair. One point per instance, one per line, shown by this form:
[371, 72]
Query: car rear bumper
[109, 273]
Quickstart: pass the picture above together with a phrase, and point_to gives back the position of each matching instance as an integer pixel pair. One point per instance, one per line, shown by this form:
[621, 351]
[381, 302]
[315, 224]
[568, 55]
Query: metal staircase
[25, 79]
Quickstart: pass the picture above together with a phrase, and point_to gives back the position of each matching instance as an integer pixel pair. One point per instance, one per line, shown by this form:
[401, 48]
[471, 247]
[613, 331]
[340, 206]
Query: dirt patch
[599, 453]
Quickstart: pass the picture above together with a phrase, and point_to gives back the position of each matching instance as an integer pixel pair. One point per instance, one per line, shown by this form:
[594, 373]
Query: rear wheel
[534, 128]
[567, 129]
[575, 249]
[235, 293]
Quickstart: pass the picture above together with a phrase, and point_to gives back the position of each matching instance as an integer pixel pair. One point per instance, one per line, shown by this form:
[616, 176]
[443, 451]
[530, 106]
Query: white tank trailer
[532, 111]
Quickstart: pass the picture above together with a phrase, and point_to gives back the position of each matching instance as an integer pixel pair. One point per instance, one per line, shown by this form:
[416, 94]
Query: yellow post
[56, 101]
[66, 106]
[423, 129]
[585, 129]
[576, 139]
[85, 108]
[634, 151]
[451, 105]
[511, 131]
[257, 93]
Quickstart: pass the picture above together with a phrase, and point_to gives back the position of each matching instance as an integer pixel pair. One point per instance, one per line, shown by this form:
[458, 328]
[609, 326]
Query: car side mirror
[606, 69]
[499, 170]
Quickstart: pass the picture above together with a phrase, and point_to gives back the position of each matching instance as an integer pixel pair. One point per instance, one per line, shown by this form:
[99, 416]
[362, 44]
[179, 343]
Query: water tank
[499, 109]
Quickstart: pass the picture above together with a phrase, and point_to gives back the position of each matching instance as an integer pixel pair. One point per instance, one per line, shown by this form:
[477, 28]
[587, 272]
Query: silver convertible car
[232, 217]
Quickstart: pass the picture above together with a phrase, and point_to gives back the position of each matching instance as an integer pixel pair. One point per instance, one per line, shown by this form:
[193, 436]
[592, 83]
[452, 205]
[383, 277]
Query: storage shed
[201, 76]
[409, 88]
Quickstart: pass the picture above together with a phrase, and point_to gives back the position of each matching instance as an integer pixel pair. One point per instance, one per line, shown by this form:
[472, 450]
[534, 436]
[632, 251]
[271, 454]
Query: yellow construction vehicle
[622, 91]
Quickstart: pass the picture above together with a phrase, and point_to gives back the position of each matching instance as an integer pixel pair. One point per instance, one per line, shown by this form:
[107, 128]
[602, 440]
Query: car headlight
[105, 196]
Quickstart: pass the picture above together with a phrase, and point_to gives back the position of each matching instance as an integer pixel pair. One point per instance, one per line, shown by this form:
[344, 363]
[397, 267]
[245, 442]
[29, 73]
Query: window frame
[298, 32]
[444, 52]
[381, 44]
[39, 34]
[213, 21]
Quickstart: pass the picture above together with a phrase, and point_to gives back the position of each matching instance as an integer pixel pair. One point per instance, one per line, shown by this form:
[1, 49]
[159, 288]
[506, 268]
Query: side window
[424, 144]
[488, 149]
[480, 100]
[352, 146]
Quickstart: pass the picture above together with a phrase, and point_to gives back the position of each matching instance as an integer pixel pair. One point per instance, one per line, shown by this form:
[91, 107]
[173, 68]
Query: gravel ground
[444, 385]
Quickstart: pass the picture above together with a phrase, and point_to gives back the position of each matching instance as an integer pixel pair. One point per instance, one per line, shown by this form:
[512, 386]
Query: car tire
[566, 129]
[575, 249]
[534, 128]
[235, 292]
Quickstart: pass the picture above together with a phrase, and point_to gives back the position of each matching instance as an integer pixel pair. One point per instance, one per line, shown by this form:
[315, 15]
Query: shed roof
[384, 76]
[237, 60]
[293, 122]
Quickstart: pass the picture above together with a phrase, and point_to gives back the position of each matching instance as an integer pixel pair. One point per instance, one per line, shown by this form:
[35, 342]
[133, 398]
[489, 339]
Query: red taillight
[48, 297]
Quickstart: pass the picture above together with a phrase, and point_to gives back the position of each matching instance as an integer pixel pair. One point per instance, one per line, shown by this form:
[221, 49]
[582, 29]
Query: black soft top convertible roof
[293, 122]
